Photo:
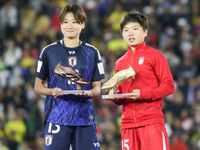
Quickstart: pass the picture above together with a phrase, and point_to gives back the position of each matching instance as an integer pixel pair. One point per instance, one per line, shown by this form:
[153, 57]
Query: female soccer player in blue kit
[70, 119]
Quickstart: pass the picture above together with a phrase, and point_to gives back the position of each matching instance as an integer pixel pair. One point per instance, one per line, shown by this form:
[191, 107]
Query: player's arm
[95, 90]
[40, 88]
[164, 75]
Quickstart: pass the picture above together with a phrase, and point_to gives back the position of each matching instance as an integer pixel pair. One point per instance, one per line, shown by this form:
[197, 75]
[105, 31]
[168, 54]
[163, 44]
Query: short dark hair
[76, 10]
[135, 16]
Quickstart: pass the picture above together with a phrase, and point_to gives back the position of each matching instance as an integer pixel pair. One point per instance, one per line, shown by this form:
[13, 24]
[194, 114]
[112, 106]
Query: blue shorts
[59, 137]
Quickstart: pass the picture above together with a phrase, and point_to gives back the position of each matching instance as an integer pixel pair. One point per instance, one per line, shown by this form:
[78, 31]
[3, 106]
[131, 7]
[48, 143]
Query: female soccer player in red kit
[142, 117]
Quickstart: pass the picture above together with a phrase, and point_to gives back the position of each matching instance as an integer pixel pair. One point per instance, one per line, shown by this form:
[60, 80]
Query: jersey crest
[48, 140]
[72, 61]
[141, 60]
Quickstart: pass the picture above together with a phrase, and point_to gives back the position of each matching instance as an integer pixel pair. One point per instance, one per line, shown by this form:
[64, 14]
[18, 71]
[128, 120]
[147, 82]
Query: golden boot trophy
[117, 79]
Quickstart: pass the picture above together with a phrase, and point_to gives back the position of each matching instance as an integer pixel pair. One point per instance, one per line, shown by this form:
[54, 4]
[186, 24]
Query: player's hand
[114, 98]
[56, 95]
[134, 95]
[84, 95]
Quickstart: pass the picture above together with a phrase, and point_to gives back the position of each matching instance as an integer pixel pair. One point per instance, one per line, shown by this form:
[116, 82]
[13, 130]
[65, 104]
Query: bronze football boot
[71, 75]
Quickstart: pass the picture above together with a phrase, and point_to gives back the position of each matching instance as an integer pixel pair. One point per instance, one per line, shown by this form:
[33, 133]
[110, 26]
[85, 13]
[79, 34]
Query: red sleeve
[164, 75]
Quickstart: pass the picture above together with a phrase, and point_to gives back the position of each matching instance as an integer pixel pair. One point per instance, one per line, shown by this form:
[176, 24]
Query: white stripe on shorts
[164, 143]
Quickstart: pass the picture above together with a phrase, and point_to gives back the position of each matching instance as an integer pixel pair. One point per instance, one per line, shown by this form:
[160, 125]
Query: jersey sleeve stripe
[45, 49]
[99, 56]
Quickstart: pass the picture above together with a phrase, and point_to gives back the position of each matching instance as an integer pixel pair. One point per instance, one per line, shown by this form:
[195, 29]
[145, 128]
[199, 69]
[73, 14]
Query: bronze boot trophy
[73, 76]
[117, 79]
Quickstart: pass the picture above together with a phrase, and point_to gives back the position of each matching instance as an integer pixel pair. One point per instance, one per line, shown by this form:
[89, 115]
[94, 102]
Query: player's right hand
[56, 95]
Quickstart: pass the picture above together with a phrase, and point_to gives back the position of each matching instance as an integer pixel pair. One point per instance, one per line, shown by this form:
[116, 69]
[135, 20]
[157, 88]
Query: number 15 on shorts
[125, 145]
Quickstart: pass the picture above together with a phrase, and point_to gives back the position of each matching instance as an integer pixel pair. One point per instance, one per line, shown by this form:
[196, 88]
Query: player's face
[70, 27]
[133, 34]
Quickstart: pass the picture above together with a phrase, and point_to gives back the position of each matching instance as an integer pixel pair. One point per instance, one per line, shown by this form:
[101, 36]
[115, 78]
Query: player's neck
[132, 48]
[71, 42]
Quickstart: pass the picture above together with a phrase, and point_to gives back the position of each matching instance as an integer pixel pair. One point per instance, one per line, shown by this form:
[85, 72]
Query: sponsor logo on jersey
[48, 139]
[72, 61]
[141, 60]
[71, 52]
[96, 144]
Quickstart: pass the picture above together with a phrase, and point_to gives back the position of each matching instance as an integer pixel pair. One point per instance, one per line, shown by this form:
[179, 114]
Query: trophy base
[113, 96]
[72, 92]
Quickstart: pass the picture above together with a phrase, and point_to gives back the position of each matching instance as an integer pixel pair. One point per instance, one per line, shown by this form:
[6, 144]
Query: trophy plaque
[73, 76]
[72, 92]
[115, 80]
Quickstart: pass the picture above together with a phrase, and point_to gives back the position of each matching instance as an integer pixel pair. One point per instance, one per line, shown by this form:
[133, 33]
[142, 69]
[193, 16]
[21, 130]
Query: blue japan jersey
[70, 110]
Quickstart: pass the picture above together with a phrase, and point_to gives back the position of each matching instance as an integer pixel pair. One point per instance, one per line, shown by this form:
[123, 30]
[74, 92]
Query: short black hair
[76, 10]
[135, 16]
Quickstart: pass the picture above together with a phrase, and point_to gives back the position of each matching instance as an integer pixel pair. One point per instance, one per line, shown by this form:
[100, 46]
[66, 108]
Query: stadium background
[26, 26]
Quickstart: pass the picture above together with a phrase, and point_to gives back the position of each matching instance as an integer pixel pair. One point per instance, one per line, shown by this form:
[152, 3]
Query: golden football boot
[71, 75]
[119, 78]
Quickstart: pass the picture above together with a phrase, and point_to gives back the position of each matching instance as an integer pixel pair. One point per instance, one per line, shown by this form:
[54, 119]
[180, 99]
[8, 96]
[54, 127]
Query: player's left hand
[134, 95]
[83, 95]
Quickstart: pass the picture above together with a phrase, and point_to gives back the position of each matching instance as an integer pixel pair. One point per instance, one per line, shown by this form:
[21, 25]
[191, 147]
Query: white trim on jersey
[45, 48]
[61, 41]
[95, 49]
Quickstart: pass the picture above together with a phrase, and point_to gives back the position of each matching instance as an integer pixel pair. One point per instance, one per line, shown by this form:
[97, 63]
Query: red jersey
[153, 78]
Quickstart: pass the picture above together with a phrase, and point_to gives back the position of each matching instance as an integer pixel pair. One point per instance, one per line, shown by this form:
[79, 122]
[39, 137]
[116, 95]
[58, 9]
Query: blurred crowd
[27, 26]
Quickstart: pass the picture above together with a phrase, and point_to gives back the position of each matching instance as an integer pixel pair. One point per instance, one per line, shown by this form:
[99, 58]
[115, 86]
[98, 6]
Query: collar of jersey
[61, 43]
[138, 48]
